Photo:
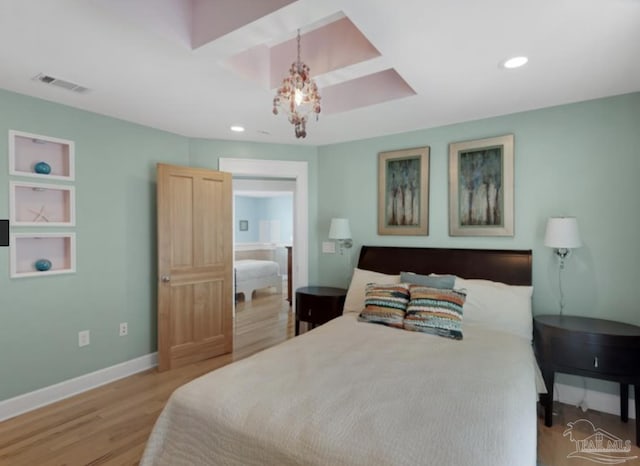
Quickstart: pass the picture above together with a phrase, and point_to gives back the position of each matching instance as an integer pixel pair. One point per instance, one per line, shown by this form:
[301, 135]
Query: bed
[356, 393]
[251, 275]
[256, 267]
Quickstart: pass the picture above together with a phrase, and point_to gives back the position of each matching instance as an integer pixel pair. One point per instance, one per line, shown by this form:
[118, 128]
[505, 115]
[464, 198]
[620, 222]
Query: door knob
[165, 278]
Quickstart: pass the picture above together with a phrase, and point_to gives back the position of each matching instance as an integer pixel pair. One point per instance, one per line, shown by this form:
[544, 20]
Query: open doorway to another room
[263, 242]
[276, 319]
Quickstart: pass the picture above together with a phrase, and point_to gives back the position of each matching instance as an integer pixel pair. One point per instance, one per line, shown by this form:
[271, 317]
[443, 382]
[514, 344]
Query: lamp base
[344, 244]
[562, 254]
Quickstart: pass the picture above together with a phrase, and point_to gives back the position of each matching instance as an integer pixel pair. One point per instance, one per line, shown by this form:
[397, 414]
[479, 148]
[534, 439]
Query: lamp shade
[562, 233]
[339, 229]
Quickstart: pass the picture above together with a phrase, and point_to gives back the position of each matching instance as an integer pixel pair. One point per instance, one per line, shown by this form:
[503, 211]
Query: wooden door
[195, 260]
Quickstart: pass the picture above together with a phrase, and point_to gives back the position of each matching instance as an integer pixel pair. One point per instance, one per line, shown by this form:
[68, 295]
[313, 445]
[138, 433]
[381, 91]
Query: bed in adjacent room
[251, 275]
[255, 268]
[356, 393]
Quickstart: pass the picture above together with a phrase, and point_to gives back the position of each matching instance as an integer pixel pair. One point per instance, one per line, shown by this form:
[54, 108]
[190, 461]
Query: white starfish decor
[40, 215]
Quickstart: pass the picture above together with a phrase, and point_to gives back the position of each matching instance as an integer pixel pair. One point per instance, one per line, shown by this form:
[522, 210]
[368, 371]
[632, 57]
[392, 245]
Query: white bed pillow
[354, 302]
[498, 306]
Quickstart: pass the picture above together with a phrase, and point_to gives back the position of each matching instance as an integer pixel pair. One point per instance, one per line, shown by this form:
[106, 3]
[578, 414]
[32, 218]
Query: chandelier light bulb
[298, 97]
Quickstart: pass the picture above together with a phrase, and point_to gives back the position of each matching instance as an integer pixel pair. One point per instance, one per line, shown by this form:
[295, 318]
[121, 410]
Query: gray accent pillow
[443, 282]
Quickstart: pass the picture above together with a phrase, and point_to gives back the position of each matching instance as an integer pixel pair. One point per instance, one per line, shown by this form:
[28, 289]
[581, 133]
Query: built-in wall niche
[43, 254]
[41, 156]
[37, 204]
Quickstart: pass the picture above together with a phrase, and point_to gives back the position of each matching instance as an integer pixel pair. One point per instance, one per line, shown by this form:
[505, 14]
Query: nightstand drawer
[316, 310]
[307, 314]
[599, 348]
[318, 304]
[595, 358]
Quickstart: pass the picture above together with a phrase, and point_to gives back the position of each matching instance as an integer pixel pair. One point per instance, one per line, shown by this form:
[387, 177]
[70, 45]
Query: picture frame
[244, 225]
[481, 187]
[403, 192]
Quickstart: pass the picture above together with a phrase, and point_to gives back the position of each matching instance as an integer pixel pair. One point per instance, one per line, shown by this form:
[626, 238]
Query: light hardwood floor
[553, 447]
[110, 425]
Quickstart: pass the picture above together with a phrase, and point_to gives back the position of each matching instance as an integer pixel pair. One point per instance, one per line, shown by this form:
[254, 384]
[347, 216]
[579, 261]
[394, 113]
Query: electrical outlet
[124, 329]
[83, 338]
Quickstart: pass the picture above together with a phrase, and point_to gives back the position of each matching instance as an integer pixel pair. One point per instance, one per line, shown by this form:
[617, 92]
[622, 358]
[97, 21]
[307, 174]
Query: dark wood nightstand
[318, 304]
[602, 349]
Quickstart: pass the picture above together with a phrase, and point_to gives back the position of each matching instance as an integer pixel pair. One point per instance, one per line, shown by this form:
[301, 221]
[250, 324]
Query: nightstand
[602, 349]
[318, 304]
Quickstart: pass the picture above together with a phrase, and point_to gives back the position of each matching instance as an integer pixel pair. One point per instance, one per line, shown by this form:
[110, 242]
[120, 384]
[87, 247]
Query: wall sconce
[563, 235]
[341, 232]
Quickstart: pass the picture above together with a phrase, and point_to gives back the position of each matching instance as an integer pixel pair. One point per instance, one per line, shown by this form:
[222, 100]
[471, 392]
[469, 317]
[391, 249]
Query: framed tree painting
[481, 187]
[403, 192]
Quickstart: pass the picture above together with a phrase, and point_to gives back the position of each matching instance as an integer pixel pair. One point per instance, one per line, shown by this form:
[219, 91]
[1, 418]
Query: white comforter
[250, 269]
[354, 393]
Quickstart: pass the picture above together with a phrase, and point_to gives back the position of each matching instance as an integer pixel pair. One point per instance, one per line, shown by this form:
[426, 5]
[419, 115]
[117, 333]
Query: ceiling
[196, 67]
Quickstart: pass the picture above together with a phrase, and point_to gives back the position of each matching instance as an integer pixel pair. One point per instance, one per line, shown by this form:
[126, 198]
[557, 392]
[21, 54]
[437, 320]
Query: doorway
[296, 172]
[263, 231]
[277, 315]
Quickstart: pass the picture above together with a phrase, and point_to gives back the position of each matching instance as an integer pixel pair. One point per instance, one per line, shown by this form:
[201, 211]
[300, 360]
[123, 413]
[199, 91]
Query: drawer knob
[595, 361]
[310, 312]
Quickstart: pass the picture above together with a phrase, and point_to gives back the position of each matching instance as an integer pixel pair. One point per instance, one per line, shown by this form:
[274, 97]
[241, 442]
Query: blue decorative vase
[42, 265]
[42, 168]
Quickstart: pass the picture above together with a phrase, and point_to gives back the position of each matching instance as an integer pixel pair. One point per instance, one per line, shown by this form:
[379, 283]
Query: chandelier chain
[298, 62]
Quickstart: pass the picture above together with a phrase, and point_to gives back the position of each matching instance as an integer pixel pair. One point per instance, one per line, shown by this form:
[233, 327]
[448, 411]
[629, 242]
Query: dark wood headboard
[508, 266]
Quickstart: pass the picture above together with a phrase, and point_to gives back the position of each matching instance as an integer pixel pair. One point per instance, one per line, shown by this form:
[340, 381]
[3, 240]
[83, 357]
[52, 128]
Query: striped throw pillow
[385, 304]
[436, 311]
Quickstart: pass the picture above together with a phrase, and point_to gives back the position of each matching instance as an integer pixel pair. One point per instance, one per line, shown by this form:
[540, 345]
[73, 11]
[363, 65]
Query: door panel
[181, 211]
[195, 260]
[208, 325]
[211, 234]
[181, 322]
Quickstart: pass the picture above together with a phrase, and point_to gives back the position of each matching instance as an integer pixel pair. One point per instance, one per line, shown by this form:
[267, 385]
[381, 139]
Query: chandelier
[298, 96]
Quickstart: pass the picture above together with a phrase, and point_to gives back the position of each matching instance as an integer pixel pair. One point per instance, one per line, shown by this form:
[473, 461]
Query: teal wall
[116, 229]
[247, 208]
[115, 280]
[280, 208]
[255, 209]
[581, 160]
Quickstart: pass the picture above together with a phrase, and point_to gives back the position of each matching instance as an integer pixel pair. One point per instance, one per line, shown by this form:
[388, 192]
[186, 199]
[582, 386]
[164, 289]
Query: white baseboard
[598, 401]
[47, 395]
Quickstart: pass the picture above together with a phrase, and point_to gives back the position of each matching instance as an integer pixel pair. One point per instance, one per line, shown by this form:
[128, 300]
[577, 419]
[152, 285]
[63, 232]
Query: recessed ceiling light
[515, 62]
[237, 129]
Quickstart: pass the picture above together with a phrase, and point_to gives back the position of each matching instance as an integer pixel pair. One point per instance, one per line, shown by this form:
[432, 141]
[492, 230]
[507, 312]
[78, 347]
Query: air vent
[68, 85]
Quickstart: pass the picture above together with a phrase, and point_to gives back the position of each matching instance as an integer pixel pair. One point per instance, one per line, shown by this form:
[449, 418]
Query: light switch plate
[328, 247]
[83, 338]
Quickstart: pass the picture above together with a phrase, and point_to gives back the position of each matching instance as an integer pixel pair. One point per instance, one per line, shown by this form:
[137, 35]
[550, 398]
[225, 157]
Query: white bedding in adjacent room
[253, 275]
[356, 393]
[249, 269]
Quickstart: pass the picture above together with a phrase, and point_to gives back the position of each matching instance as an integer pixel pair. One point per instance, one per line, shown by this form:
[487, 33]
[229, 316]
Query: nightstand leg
[547, 400]
[297, 326]
[624, 402]
[636, 389]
